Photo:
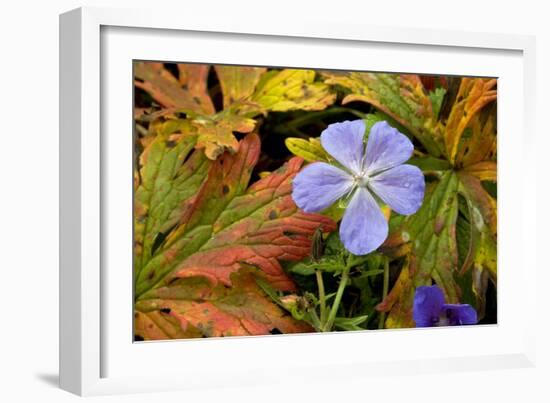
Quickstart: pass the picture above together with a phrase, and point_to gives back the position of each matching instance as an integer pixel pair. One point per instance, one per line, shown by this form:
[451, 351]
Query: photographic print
[273, 200]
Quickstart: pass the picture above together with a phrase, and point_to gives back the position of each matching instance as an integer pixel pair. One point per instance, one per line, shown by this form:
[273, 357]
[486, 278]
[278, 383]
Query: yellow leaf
[310, 150]
[473, 95]
[238, 83]
[290, 89]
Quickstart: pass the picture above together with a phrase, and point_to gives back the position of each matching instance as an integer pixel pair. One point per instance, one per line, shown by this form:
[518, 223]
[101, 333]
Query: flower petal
[460, 314]
[427, 304]
[318, 185]
[363, 228]
[401, 188]
[386, 148]
[344, 141]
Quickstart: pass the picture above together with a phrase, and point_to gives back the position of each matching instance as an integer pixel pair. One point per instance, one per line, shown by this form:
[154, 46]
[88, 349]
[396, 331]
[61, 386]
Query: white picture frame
[96, 353]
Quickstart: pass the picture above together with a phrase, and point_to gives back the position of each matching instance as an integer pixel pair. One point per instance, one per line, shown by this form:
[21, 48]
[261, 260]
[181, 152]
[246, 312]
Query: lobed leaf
[193, 308]
[473, 95]
[170, 176]
[400, 96]
[189, 92]
[230, 228]
[482, 201]
[291, 89]
[238, 83]
[461, 154]
[433, 254]
[484, 170]
[480, 146]
[215, 135]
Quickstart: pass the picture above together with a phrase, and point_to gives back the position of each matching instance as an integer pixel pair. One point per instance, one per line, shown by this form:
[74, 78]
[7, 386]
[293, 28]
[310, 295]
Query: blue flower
[430, 309]
[363, 172]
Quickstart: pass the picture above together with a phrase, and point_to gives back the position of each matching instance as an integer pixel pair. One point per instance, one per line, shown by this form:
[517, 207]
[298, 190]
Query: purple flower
[430, 309]
[364, 172]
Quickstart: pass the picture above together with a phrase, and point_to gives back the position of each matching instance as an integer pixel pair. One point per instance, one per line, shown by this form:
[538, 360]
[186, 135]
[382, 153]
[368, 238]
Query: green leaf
[291, 89]
[436, 97]
[430, 165]
[310, 150]
[328, 264]
[370, 120]
[334, 245]
[432, 230]
[433, 254]
[459, 254]
[350, 323]
[170, 178]
[482, 216]
[228, 228]
[400, 96]
[378, 116]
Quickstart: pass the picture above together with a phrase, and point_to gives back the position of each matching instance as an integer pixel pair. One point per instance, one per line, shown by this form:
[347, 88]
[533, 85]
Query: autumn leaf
[247, 93]
[290, 89]
[400, 96]
[478, 143]
[461, 146]
[187, 93]
[215, 134]
[238, 83]
[169, 180]
[310, 150]
[473, 95]
[429, 242]
[228, 226]
[193, 308]
[433, 254]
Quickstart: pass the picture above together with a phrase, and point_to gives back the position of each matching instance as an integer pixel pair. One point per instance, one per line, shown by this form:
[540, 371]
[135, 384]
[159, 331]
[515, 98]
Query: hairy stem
[336, 304]
[322, 298]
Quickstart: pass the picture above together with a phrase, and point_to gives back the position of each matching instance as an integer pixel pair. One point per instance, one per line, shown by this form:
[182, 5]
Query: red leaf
[227, 230]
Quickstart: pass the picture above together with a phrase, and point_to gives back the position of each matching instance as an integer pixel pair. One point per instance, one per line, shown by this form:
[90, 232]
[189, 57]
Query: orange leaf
[228, 228]
[187, 93]
[473, 94]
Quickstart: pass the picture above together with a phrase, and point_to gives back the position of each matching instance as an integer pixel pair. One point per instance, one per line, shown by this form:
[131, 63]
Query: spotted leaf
[231, 226]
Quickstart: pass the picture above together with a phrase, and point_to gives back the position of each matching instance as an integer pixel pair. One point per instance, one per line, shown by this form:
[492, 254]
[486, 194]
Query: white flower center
[361, 180]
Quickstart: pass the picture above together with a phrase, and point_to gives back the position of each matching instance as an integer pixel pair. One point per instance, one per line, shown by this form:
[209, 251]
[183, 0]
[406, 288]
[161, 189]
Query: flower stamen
[361, 180]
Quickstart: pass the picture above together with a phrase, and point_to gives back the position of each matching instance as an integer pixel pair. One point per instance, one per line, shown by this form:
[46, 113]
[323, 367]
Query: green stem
[315, 319]
[382, 318]
[336, 304]
[314, 116]
[294, 124]
[322, 297]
